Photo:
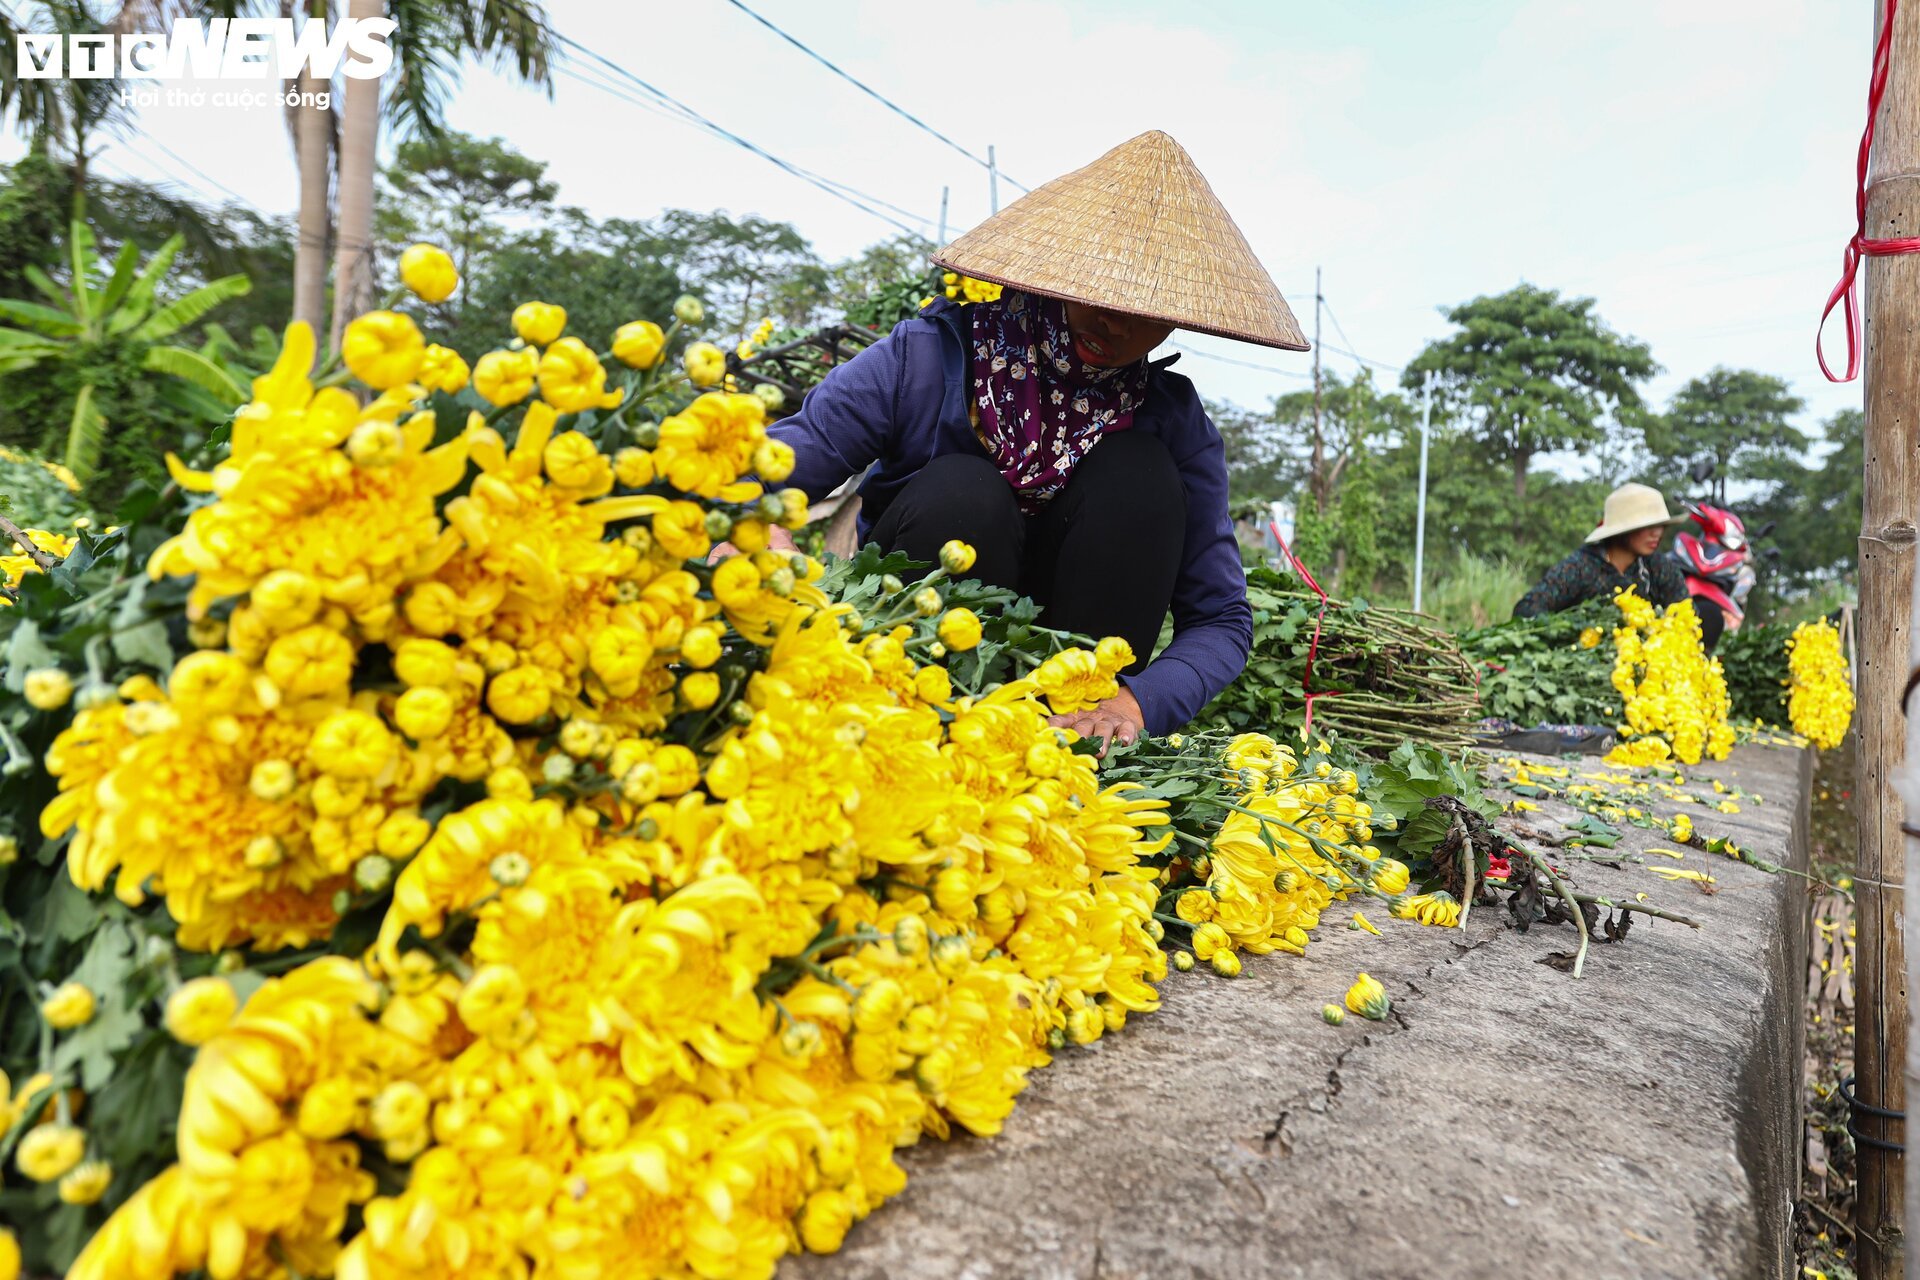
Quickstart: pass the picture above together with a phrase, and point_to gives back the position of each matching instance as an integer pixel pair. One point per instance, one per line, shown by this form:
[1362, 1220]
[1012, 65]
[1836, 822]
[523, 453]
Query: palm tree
[59, 114]
[124, 311]
[314, 139]
[427, 35]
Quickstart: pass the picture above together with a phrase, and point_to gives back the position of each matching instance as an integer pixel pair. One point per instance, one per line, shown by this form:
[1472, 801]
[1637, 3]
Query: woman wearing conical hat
[1034, 428]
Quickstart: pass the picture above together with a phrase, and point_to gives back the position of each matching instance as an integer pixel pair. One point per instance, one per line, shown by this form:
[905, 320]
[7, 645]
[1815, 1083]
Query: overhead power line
[875, 94]
[673, 106]
[191, 167]
[860, 198]
[1337, 326]
[1354, 355]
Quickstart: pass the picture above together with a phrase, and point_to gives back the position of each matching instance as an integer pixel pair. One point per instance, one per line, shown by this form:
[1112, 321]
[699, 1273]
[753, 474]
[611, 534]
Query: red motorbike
[1716, 556]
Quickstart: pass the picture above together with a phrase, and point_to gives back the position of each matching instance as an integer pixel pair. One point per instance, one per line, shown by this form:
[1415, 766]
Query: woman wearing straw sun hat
[1034, 428]
[1622, 552]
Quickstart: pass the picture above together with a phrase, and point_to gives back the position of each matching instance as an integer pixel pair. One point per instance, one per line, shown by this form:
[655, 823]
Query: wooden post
[1889, 519]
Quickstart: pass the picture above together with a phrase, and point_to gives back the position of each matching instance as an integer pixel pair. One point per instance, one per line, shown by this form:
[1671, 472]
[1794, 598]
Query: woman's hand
[778, 539]
[1117, 721]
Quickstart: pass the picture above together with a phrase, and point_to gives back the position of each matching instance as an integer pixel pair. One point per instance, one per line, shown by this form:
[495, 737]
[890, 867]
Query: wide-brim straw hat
[1139, 231]
[1630, 508]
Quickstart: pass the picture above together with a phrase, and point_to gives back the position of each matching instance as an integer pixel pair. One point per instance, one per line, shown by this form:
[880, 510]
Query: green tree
[881, 285]
[1529, 371]
[1260, 466]
[1351, 414]
[451, 189]
[744, 268]
[1735, 417]
[1815, 509]
[35, 194]
[1357, 561]
[107, 330]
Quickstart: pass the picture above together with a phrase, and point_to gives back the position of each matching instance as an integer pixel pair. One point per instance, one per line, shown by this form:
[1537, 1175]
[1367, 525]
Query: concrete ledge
[1508, 1121]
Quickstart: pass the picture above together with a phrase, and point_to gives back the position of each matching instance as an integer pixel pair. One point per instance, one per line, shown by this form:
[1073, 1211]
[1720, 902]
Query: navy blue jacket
[903, 402]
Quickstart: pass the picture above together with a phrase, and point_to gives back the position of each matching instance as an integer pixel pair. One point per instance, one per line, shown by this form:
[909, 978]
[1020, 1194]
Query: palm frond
[45, 284]
[42, 320]
[140, 296]
[190, 366]
[124, 264]
[86, 435]
[181, 312]
[423, 72]
[513, 33]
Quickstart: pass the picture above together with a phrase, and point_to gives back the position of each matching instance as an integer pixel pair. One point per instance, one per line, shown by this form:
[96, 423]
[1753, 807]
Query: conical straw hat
[1138, 230]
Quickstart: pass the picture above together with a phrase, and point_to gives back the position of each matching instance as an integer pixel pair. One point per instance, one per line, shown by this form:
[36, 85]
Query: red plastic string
[1860, 246]
[1313, 648]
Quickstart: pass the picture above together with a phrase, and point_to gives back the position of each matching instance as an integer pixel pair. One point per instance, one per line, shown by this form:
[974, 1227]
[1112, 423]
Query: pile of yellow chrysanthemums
[1820, 690]
[692, 895]
[1674, 698]
[1294, 841]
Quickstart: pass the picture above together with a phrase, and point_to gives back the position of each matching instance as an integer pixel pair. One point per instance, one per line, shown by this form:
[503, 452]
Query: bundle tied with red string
[1367, 676]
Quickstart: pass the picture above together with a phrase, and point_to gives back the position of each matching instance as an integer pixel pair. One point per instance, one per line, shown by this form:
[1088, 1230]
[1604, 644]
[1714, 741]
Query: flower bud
[509, 870]
[688, 309]
[951, 955]
[373, 873]
[1368, 998]
[910, 936]
[801, 1040]
[956, 557]
[47, 688]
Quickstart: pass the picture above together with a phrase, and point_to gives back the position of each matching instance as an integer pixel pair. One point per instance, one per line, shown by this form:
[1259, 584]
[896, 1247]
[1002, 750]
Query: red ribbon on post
[1313, 648]
[1860, 246]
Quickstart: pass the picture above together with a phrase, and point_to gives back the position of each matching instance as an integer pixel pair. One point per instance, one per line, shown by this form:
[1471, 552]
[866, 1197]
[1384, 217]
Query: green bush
[37, 494]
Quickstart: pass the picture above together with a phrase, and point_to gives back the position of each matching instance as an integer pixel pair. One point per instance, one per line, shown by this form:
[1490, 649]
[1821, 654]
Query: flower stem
[1566, 896]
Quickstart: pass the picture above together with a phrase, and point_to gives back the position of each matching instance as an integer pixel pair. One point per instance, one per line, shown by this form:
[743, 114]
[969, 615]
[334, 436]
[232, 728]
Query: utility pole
[993, 182]
[1319, 439]
[1420, 503]
[944, 192]
[1890, 518]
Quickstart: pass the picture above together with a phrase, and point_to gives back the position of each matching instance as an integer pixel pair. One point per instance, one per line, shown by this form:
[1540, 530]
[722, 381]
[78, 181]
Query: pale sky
[1687, 162]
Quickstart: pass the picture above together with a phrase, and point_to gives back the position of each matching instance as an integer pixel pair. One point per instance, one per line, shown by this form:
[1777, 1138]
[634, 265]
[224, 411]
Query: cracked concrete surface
[1509, 1121]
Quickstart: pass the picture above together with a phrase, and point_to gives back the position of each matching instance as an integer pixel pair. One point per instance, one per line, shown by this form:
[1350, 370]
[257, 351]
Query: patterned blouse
[1587, 574]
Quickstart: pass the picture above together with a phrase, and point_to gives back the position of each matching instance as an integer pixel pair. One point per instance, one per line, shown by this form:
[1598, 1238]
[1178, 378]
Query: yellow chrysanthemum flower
[429, 271]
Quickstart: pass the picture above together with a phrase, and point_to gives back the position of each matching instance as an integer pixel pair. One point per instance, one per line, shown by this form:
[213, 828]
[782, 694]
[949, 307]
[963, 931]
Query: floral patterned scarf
[1039, 408]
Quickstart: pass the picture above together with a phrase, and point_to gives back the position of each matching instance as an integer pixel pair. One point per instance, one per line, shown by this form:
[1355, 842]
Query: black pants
[1100, 558]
